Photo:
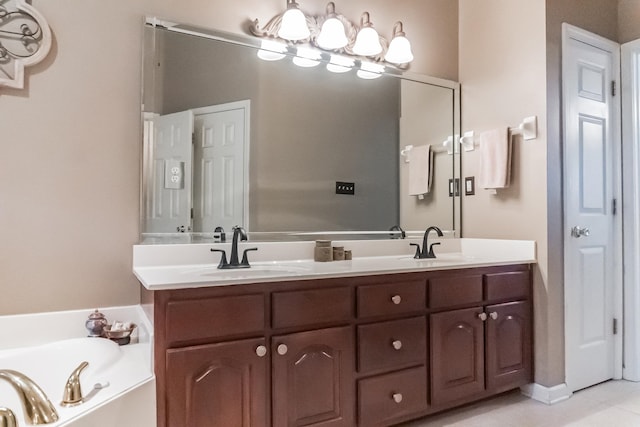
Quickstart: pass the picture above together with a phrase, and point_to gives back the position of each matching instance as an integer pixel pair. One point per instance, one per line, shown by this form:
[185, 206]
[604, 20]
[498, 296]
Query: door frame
[245, 105]
[571, 32]
[630, 89]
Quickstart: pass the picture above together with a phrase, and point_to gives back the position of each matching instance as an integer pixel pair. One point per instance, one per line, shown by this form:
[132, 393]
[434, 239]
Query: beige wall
[69, 181]
[628, 19]
[502, 71]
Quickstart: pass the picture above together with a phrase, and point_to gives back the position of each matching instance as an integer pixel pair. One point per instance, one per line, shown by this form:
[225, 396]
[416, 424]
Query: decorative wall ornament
[272, 30]
[25, 40]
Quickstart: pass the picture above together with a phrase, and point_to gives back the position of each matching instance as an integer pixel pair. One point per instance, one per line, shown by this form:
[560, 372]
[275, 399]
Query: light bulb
[399, 51]
[294, 24]
[367, 40]
[306, 57]
[332, 35]
[271, 50]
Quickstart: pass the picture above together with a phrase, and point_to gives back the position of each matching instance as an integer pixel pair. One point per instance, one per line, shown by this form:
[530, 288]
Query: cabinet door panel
[508, 345]
[217, 385]
[457, 355]
[313, 378]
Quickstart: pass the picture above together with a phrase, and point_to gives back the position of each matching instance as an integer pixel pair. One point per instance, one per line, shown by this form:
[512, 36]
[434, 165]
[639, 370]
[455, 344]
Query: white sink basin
[246, 273]
[444, 257]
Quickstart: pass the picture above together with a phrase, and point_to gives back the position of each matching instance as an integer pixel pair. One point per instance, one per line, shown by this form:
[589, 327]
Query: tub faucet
[427, 253]
[241, 234]
[37, 406]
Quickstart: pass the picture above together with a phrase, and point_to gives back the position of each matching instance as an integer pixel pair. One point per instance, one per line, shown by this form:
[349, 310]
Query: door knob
[577, 232]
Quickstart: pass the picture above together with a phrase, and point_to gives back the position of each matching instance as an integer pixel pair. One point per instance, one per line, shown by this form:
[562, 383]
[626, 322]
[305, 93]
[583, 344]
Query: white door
[169, 198]
[221, 174]
[631, 168]
[593, 268]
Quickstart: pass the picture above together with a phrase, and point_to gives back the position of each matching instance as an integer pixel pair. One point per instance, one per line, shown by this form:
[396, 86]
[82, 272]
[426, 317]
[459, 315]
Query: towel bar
[528, 129]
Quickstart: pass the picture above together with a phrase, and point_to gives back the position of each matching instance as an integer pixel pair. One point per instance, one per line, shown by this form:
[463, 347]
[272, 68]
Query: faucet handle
[417, 255]
[7, 418]
[431, 254]
[223, 259]
[245, 260]
[72, 391]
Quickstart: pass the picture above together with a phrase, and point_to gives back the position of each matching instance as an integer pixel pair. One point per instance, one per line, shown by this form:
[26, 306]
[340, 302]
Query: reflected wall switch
[345, 188]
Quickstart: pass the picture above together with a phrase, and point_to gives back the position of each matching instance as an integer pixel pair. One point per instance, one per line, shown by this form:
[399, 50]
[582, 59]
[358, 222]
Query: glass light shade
[332, 35]
[306, 57]
[340, 64]
[271, 50]
[370, 71]
[367, 42]
[294, 24]
[399, 51]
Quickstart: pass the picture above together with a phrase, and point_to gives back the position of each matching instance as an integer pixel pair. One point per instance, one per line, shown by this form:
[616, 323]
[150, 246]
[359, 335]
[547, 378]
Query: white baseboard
[548, 395]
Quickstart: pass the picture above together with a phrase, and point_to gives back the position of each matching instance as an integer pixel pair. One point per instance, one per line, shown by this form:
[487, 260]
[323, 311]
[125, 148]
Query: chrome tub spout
[37, 406]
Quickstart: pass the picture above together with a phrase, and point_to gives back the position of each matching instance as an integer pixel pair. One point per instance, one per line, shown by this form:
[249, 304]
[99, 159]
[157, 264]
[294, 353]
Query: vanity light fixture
[336, 34]
[294, 23]
[271, 50]
[368, 39]
[307, 57]
[370, 70]
[399, 51]
[332, 34]
[340, 64]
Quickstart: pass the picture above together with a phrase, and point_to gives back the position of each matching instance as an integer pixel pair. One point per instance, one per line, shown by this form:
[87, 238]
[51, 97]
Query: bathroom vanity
[351, 350]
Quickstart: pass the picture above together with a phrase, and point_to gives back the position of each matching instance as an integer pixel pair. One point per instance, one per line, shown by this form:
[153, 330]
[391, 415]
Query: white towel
[420, 170]
[495, 159]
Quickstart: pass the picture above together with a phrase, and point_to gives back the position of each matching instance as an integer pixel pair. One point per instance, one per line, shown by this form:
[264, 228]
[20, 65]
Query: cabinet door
[217, 385]
[508, 345]
[457, 355]
[312, 378]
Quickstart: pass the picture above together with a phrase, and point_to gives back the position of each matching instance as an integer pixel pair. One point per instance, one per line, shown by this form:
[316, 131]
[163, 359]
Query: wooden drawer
[376, 403]
[392, 298]
[387, 345]
[309, 307]
[454, 291]
[189, 320]
[512, 285]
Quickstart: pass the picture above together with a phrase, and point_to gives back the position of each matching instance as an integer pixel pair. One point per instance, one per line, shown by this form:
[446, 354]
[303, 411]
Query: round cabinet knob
[397, 344]
[282, 349]
[494, 315]
[261, 351]
[396, 299]
[482, 316]
[397, 397]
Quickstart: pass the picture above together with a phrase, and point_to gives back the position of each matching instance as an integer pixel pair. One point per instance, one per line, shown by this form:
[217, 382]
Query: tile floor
[611, 404]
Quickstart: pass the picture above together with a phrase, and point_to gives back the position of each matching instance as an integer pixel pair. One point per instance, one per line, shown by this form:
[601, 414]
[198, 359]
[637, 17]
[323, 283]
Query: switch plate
[345, 188]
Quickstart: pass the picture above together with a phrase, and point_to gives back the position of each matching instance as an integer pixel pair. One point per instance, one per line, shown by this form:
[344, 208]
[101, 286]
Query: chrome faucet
[424, 253]
[241, 234]
[37, 407]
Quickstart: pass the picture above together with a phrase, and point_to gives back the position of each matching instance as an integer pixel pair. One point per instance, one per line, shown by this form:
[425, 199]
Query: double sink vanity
[375, 341]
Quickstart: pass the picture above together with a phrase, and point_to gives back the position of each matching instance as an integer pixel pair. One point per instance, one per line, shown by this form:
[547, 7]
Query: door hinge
[614, 206]
[615, 326]
[613, 88]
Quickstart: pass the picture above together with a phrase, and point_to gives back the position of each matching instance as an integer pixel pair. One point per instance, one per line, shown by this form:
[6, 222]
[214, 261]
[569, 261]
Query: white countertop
[160, 267]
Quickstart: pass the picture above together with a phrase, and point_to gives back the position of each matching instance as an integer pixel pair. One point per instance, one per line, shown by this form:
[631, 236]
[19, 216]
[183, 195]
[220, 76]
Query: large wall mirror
[234, 139]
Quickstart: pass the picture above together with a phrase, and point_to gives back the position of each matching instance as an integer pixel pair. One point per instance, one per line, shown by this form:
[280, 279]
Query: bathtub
[118, 384]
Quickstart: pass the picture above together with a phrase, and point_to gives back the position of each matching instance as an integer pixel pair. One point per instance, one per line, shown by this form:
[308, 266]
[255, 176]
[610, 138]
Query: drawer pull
[482, 316]
[397, 344]
[282, 349]
[261, 351]
[494, 315]
[397, 397]
[396, 299]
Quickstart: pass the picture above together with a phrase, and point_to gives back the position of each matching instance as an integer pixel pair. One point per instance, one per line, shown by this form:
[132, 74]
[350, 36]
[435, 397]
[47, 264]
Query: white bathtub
[127, 394]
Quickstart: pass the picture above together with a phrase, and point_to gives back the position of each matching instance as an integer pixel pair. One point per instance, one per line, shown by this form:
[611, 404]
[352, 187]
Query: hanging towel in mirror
[495, 159]
[420, 170]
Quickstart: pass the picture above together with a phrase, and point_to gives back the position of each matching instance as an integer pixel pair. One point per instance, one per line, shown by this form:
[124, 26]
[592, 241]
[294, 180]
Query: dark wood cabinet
[218, 385]
[340, 352]
[457, 355]
[312, 376]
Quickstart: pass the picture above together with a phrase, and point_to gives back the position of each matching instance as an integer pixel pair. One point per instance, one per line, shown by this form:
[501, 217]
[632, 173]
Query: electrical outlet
[345, 188]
